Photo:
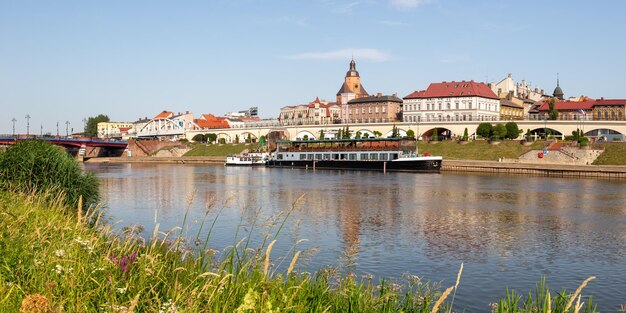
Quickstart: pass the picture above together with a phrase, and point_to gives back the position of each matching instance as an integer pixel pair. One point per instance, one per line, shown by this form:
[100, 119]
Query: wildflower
[86, 244]
[121, 290]
[168, 307]
[58, 269]
[59, 253]
[37, 262]
[124, 262]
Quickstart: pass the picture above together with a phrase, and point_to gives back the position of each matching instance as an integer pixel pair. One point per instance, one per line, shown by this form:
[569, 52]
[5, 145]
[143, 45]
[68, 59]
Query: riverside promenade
[493, 167]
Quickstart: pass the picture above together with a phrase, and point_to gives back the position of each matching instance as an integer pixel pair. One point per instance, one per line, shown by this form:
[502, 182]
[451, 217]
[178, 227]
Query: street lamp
[84, 126]
[57, 129]
[14, 120]
[27, 124]
[67, 126]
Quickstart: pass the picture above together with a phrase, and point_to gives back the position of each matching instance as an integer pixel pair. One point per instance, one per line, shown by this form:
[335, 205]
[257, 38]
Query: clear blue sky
[67, 60]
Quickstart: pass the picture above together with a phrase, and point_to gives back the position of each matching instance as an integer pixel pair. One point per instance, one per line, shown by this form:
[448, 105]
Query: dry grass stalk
[441, 299]
[578, 305]
[293, 263]
[580, 288]
[79, 210]
[267, 257]
[36, 303]
[549, 304]
[458, 277]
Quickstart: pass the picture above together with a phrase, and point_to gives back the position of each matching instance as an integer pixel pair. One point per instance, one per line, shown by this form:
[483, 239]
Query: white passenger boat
[385, 154]
[248, 159]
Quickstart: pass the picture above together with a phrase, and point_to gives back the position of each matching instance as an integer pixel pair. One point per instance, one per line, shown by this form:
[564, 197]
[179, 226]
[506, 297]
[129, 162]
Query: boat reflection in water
[387, 154]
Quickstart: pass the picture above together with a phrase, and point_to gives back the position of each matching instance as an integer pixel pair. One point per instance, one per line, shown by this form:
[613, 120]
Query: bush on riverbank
[33, 166]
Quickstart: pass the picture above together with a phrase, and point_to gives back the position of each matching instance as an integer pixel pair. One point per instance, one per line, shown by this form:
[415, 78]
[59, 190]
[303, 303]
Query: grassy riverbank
[218, 149]
[478, 150]
[614, 154]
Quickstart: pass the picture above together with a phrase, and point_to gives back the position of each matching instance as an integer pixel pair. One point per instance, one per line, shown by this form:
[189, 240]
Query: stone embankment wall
[143, 148]
[517, 168]
[566, 155]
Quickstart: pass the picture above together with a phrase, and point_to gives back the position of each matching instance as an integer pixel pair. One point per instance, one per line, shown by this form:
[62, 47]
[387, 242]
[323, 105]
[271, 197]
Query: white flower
[168, 307]
[59, 253]
[58, 268]
[37, 262]
[121, 290]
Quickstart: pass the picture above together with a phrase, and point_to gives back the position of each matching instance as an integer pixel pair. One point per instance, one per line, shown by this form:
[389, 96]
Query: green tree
[346, 133]
[512, 130]
[484, 130]
[465, 135]
[249, 139]
[394, 132]
[199, 138]
[91, 128]
[322, 134]
[377, 134]
[211, 137]
[357, 135]
[410, 134]
[528, 135]
[499, 131]
[435, 135]
[305, 137]
[236, 138]
[553, 112]
[340, 133]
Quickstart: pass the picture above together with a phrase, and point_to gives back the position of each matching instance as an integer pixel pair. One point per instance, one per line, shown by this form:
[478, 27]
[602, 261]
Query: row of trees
[509, 130]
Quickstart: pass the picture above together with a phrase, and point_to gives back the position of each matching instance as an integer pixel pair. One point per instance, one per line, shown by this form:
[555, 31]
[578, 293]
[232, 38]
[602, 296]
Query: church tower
[558, 92]
[351, 88]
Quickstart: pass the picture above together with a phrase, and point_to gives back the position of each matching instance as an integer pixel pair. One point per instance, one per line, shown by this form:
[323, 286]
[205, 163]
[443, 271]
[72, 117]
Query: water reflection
[509, 231]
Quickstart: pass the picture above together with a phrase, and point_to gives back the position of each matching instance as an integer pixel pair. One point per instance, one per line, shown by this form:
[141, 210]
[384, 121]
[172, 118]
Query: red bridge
[87, 148]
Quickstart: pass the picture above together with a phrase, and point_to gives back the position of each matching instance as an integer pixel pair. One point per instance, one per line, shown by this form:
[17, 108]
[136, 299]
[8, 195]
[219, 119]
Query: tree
[499, 131]
[435, 136]
[322, 134]
[394, 132]
[305, 137]
[211, 137]
[465, 135]
[249, 139]
[357, 135]
[346, 133]
[512, 131]
[377, 134]
[91, 128]
[339, 133]
[236, 138]
[410, 134]
[484, 130]
[553, 112]
[199, 138]
[528, 135]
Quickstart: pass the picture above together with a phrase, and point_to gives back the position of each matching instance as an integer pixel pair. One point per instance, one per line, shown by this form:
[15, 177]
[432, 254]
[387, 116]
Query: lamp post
[41, 130]
[13, 120]
[84, 126]
[545, 126]
[67, 128]
[27, 124]
[57, 129]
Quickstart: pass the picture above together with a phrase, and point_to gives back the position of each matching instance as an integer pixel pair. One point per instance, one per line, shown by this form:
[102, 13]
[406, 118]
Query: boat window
[344, 156]
[310, 156]
[335, 156]
[279, 156]
[352, 156]
[302, 156]
[364, 156]
[383, 156]
[394, 156]
[326, 156]
[374, 156]
[318, 156]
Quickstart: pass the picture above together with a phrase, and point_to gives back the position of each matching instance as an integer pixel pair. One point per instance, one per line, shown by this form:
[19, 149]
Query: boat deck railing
[341, 149]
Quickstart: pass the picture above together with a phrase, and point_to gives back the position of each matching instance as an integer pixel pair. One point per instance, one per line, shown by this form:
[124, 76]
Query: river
[509, 231]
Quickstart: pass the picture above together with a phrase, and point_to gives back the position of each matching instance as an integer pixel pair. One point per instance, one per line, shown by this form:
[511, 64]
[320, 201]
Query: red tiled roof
[609, 102]
[164, 114]
[567, 105]
[124, 129]
[454, 89]
[211, 121]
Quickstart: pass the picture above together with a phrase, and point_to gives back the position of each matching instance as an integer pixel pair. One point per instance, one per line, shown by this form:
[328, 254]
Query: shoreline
[472, 166]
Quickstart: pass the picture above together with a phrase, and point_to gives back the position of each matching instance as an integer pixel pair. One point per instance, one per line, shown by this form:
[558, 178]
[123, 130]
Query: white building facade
[452, 101]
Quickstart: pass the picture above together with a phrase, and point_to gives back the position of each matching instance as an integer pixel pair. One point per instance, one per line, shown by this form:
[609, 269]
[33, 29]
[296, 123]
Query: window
[440, 106]
[310, 156]
[376, 109]
[318, 156]
[326, 156]
[335, 156]
[384, 109]
[373, 156]
[457, 105]
[448, 106]
[362, 110]
[383, 156]
[352, 156]
[363, 156]
[302, 156]
[370, 110]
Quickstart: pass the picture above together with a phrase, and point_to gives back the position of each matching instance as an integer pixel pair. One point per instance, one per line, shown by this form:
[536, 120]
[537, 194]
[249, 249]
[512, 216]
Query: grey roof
[509, 103]
[376, 99]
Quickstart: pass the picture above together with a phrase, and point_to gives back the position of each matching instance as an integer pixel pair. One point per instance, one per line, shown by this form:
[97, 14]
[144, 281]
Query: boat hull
[423, 166]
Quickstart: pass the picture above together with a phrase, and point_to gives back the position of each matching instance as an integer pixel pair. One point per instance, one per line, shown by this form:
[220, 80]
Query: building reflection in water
[388, 224]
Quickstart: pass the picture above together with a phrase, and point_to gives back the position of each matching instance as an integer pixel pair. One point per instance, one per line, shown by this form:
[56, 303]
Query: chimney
[378, 95]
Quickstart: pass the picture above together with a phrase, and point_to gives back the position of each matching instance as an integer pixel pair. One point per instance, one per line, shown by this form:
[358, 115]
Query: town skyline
[72, 60]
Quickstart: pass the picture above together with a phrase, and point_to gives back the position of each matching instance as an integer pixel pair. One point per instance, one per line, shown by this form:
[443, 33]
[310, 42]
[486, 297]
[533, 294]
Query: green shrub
[33, 166]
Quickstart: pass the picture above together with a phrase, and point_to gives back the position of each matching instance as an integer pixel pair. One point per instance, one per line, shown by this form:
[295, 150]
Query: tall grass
[33, 166]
